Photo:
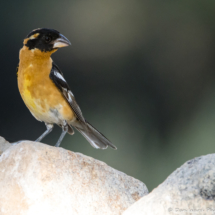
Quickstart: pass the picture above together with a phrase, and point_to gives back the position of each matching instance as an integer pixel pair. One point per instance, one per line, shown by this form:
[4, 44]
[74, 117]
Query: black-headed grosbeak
[45, 91]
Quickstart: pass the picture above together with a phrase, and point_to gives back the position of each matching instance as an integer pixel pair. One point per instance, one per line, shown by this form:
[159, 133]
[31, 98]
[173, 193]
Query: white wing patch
[58, 75]
[69, 96]
[71, 92]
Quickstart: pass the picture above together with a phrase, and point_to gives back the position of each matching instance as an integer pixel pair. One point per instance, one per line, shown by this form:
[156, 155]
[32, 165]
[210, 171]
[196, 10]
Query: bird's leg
[49, 129]
[64, 131]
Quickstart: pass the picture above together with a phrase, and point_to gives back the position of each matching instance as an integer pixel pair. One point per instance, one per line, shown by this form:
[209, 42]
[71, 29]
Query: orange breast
[39, 93]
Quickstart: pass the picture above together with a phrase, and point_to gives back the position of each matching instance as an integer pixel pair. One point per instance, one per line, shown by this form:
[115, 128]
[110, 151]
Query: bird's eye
[48, 39]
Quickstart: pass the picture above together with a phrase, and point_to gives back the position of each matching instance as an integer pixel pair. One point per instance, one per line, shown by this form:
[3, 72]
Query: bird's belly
[46, 103]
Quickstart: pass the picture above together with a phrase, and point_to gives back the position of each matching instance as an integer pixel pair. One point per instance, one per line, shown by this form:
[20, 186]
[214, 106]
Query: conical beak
[61, 42]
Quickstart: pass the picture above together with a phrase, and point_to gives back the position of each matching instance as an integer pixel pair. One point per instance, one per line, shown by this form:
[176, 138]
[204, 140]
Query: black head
[46, 40]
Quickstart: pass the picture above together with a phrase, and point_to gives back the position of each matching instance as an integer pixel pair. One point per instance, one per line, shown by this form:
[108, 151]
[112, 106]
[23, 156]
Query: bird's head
[45, 40]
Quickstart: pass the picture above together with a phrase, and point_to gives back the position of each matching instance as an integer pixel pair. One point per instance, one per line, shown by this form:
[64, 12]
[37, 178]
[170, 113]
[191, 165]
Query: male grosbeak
[45, 91]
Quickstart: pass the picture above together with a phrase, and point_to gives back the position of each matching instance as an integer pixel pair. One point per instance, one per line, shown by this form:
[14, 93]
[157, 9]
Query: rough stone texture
[3, 145]
[188, 190]
[39, 179]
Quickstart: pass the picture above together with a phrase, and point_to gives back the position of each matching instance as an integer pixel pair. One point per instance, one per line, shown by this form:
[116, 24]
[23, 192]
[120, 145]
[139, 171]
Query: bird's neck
[34, 55]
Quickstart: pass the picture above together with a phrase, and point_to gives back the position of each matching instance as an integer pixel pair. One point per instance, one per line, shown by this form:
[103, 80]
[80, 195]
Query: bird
[45, 91]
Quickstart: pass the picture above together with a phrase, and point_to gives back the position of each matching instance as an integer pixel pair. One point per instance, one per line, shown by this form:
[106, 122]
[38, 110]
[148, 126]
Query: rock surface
[39, 179]
[188, 190]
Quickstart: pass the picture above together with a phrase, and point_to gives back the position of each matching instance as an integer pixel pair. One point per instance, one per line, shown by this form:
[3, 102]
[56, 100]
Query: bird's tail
[93, 136]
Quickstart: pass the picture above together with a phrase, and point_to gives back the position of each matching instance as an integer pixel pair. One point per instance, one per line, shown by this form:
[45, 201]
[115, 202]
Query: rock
[188, 190]
[3, 145]
[36, 178]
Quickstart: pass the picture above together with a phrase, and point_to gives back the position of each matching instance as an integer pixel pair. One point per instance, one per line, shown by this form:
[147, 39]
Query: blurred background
[142, 71]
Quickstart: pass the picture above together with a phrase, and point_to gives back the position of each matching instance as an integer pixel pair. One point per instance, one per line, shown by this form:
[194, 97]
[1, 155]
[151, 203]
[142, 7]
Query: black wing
[57, 77]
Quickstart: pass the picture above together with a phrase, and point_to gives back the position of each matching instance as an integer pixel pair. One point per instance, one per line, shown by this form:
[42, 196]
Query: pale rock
[38, 179]
[187, 191]
[3, 145]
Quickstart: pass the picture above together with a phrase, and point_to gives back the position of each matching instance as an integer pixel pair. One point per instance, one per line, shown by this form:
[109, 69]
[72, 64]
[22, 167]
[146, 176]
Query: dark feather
[57, 77]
